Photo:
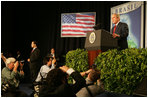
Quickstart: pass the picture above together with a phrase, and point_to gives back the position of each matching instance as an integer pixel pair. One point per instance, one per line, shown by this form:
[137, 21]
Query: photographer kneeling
[10, 79]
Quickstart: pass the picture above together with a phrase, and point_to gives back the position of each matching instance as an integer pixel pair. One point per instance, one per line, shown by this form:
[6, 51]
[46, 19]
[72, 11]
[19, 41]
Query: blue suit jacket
[123, 31]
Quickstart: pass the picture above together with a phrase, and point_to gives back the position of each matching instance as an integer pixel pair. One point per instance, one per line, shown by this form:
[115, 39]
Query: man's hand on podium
[115, 35]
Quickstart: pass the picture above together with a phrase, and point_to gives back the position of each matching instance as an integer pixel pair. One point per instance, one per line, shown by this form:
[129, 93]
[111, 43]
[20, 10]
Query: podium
[97, 42]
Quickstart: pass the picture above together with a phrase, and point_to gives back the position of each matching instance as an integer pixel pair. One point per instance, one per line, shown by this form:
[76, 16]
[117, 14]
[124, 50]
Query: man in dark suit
[34, 60]
[120, 31]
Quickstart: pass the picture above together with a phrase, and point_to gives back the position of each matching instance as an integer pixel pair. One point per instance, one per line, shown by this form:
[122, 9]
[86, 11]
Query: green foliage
[122, 71]
[77, 59]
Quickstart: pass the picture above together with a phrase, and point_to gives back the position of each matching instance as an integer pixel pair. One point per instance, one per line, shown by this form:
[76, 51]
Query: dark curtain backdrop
[24, 21]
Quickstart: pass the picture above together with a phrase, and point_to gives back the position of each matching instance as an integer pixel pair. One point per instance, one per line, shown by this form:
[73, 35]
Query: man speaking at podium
[120, 31]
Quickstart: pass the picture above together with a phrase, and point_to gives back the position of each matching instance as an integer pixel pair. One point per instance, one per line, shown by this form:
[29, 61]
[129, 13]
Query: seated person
[57, 85]
[49, 64]
[10, 78]
[91, 88]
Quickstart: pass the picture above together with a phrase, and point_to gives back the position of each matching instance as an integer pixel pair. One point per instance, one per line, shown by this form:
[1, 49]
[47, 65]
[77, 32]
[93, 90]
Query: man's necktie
[32, 50]
[114, 29]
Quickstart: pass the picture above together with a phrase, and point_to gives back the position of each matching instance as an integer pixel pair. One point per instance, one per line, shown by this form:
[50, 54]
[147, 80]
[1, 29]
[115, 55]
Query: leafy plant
[77, 59]
[122, 71]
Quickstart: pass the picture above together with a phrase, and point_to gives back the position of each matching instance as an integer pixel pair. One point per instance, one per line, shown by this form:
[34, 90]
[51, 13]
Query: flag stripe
[73, 34]
[85, 23]
[86, 20]
[76, 31]
[78, 15]
[83, 29]
[73, 26]
[77, 25]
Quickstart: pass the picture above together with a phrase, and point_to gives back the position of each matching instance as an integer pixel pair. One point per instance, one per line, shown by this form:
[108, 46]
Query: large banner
[132, 13]
[77, 24]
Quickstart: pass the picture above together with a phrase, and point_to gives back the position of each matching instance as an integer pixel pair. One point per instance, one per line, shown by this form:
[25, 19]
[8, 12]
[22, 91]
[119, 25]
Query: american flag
[77, 24]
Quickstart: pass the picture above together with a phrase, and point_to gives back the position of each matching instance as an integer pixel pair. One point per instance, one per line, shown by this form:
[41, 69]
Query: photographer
[93, 86]
[49, 64]
[10, 78]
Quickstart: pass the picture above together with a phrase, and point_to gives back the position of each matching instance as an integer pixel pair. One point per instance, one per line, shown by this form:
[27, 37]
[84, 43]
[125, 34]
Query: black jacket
[123, 31]
[35, 63]
[65, 90]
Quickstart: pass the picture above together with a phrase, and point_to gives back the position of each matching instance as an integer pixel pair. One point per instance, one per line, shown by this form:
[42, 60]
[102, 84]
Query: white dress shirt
[44, 71]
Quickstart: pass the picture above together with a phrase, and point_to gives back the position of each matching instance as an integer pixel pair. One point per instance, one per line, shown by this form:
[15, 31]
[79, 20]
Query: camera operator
[49, 64]
[10, 78]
